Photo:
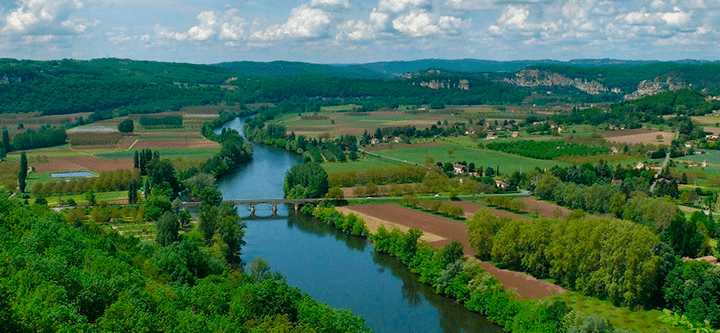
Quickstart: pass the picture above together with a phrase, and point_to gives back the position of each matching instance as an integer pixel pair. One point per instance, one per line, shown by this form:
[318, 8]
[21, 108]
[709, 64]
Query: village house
[515, 134]
[491, 136]
[617, 182]
[614, 150]
[501, 184]
[460, 169]
[374, 141]
[396, 139]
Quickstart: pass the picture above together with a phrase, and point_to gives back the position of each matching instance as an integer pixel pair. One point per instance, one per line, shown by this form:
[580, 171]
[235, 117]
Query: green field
[486, 158]
[34, 177]
[370, 162]
[194, 153]
[80, 198]
[643, 321]
[712, 157]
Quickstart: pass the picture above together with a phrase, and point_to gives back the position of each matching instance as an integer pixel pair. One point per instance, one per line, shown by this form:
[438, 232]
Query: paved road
[665, 163]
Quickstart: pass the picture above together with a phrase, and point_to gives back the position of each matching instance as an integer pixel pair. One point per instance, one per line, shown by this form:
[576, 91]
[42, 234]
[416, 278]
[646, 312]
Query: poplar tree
[22, 174]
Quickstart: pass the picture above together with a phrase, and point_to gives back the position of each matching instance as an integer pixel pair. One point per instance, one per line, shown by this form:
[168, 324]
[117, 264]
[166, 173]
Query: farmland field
[164, 152]
[370, 162]
[486, 158]
[645, 136]
[711, 157]
[545, 150]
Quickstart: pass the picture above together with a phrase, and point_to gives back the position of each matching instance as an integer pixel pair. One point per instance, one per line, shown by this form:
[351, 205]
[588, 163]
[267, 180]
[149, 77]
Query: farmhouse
[501, 184]
[460, 169]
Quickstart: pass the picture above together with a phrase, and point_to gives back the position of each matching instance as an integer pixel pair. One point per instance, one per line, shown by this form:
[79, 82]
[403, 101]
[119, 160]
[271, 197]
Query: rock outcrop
[649, 88]
[539, 78]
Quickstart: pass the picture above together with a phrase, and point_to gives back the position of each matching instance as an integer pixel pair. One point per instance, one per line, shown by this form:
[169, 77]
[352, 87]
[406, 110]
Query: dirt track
[526, 286]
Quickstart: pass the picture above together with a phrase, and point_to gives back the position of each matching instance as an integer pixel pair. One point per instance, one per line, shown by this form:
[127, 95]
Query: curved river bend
[334, 268]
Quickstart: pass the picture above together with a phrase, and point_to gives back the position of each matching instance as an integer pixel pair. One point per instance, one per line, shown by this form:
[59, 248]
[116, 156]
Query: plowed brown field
[526, 286]
[78, 163]
[544, 208]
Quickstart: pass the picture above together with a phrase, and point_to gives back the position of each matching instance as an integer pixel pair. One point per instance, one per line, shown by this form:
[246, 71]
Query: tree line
[627, 263]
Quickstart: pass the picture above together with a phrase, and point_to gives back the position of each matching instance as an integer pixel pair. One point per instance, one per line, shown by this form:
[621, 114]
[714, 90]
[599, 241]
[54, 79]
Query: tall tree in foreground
[168, 227]
[22, 174]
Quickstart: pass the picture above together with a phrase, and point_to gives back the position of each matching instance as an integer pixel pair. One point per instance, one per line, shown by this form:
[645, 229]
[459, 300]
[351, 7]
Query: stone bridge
[274, 202]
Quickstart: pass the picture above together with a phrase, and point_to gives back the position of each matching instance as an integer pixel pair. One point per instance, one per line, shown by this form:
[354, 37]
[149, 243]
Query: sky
[359, 31]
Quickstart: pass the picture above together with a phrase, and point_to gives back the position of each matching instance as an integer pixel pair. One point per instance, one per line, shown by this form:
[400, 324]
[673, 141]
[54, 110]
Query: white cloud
[355, 30]
[233, 27]
[675, 18]
[471, 4]
[515, 17]
[36, 15]
[343, 3]
[398, 6]
[304, 22]
[223, 25]
[697, 4]
[379, 19]
[206, 28]
[163, 32]
[422, 23]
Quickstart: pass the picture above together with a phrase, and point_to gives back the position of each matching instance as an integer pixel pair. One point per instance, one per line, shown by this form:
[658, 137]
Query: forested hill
[69, 86]
[279, 68]
[120, 86]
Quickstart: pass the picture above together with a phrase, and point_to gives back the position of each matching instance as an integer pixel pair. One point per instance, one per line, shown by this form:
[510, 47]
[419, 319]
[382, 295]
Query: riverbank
[443, 231]
[449, 270]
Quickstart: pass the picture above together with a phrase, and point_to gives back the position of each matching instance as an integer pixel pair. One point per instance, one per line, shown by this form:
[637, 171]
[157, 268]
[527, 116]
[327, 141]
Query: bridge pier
[252, 209]
[274, 207]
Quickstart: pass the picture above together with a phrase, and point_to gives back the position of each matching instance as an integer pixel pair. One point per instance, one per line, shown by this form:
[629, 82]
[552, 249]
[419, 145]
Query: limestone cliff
[540, 78]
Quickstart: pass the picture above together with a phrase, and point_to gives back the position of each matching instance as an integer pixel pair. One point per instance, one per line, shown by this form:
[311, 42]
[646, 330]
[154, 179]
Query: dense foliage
[119, 180]
[234, 151]
[545, 150]
[44, 137]
[61, 278]
[71, 86]
[693, 289]
[126, 126]
[306, 180]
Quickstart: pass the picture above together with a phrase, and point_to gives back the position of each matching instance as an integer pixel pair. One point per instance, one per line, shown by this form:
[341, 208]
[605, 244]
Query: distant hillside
[70, 86]
[278, 68]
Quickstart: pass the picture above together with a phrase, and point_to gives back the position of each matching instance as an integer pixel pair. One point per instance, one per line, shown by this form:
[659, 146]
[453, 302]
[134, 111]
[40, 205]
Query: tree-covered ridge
[55, 277]
[627, 78]
[279, 68]
[70, 86]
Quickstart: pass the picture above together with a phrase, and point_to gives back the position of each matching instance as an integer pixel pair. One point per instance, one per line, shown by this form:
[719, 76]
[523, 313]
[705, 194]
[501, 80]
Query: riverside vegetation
[466, 281]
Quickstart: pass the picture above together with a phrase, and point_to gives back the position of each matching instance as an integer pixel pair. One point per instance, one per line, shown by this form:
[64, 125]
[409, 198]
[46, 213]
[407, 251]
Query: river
[342, 271]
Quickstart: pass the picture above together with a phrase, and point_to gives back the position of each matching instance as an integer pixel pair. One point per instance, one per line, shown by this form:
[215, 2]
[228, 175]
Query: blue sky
[353, 31]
